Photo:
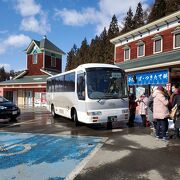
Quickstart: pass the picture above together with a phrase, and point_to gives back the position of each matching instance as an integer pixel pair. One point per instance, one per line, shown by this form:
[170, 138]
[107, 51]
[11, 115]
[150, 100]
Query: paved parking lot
[28, 156]
[127, 153]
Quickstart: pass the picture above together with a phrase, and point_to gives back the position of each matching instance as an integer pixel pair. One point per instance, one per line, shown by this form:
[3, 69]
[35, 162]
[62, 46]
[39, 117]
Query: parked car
[8, 109]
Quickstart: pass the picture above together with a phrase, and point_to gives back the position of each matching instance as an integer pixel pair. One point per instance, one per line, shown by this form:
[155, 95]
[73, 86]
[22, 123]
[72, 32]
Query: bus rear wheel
[54, 115]
[75, 118]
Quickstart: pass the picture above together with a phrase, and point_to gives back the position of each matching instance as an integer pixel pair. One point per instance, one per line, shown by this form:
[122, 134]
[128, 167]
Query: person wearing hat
[160, 112]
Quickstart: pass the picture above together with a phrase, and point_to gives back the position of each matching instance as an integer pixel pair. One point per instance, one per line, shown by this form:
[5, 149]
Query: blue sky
[64, 22]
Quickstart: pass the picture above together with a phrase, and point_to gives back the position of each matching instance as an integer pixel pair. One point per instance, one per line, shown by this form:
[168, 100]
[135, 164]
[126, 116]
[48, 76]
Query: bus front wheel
[75, 118]
[53, 112]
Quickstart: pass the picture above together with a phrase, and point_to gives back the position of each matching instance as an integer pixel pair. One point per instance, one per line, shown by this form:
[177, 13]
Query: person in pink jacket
[160, 111]
[142, 102]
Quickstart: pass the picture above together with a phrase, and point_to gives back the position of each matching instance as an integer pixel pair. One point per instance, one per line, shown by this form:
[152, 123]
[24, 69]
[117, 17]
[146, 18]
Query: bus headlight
[95, 113]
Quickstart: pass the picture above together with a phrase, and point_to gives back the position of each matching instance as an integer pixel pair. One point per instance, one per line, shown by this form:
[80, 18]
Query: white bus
[91, 93]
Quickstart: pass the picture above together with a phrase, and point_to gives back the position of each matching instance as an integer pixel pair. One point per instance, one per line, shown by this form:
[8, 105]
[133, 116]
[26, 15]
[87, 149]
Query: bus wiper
[99, 100]
[111, 96]
[103, 97]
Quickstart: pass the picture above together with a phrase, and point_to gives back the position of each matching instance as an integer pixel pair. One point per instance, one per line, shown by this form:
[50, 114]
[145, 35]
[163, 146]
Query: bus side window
[81, 86]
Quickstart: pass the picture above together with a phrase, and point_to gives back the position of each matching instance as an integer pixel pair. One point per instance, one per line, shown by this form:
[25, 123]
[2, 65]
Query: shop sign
[155, 77]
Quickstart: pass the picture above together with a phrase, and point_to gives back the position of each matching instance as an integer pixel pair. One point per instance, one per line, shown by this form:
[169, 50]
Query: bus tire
[54, 115]
[75, 118]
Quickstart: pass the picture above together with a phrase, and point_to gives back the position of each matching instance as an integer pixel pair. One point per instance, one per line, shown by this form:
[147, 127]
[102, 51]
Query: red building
[150, 54]
[43, 59]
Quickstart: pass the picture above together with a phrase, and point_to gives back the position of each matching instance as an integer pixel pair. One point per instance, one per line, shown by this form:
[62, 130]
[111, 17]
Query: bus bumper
[108, 115]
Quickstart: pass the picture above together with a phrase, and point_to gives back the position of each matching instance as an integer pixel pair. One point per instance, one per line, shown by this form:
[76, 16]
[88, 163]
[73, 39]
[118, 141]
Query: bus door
[81, 106]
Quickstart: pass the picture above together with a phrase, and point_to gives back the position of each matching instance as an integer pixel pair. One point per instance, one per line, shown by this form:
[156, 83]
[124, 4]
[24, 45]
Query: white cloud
[40, 26]
[118, 7]
[28, 8]
[101, 17]
[16, 41]
[34, 18]
[73, 17]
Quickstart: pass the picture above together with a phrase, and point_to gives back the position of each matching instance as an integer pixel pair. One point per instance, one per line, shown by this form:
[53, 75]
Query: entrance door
[15, 97]
[28, 98]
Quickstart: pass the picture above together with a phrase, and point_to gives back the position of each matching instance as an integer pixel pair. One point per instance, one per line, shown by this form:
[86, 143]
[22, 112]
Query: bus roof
[88, 65]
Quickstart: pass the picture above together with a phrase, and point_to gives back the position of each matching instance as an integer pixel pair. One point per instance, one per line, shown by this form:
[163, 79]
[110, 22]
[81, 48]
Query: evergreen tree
[71, 58]
[158, 10]
[83, 52]
[103, 42]
[94, 53]
[128, 22]
[113, 30]
[138, 19]
[172, 6]
[92, 48]
[3, 74]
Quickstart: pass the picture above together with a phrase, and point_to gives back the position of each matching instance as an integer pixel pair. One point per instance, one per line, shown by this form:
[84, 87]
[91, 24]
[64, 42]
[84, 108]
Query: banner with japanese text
[154, 77]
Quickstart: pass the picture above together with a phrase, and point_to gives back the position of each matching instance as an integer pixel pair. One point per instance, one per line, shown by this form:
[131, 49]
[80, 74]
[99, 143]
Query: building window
[140, 49]
[126, 53]
[53, 61]
[157, 48]
[177, 40]
[34, 58]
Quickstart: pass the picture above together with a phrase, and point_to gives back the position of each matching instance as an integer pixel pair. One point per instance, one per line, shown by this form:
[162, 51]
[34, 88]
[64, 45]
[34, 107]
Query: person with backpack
[175, 101]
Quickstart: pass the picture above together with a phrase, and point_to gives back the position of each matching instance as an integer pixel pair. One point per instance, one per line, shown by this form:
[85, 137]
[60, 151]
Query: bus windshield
[106, 83]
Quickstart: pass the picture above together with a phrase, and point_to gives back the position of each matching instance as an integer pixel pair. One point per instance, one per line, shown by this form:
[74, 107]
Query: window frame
[125, 49]
[34, 58]
[138, 45]
[80, 87]
[53, 59]
[174, 41]
[157, 38]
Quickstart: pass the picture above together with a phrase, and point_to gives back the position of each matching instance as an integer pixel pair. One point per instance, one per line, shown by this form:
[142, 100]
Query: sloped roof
[45, 44]
[22, 73]
[26, 79]
[49, 72]
[148, 27]
[46, 71]
[37, 43]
